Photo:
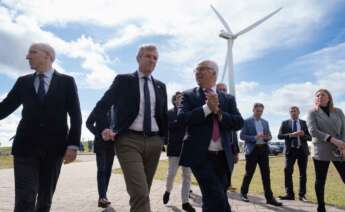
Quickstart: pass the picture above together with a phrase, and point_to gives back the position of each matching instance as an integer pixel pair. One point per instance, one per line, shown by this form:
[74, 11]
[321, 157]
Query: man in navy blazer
[256, 135]
[210, 117]
[140, 103]
[43, 139]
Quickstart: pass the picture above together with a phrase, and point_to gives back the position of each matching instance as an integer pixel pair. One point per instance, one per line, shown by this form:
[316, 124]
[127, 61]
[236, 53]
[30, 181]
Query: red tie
[215, 128]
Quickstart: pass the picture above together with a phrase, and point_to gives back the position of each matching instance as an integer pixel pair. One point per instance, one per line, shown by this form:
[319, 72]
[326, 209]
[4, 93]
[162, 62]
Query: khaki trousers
[138, 156]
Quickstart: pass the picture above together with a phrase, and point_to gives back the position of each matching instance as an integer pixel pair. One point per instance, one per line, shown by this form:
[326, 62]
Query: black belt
[216, 153]
[260, 145]
[142, 133]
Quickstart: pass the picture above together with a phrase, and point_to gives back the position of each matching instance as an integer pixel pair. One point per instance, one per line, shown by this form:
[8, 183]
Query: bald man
[43, 140]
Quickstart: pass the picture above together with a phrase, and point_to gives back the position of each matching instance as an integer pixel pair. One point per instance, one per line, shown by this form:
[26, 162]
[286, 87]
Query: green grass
[334, 192]
[6, 162]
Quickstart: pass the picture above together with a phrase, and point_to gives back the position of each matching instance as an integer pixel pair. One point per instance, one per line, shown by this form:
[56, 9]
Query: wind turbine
[228, 35]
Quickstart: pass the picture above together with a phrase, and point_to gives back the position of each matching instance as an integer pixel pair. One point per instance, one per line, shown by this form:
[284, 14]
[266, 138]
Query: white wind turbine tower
[230, 37]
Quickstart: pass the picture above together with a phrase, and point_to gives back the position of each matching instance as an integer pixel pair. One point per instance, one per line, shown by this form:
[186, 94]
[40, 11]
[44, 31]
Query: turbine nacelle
[226, 35]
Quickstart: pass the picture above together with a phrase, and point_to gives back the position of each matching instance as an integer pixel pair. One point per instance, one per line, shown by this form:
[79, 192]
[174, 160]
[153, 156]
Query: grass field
[334, 193]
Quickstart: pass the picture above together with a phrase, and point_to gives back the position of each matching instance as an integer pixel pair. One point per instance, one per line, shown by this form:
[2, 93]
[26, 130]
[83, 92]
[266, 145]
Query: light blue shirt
[48, 75]
[298, 129]
[259, 129]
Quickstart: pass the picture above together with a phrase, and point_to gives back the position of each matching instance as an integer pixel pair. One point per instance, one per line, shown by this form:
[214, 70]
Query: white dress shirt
[138, 123]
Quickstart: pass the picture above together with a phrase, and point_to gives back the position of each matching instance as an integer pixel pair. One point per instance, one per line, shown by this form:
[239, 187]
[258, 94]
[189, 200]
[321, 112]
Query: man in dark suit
[256, 135]
[140, 103]
[43, 140]
[295, 133]
[105, 153]
[210, 116]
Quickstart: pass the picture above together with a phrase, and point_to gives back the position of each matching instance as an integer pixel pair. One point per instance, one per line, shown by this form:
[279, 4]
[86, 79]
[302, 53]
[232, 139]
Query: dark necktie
[40, 91]
[147, 108]
[215, 126]
[294, 129]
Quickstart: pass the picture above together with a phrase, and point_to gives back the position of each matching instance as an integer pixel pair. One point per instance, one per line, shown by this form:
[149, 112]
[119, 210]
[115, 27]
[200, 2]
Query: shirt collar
[48, 74]
[213, 89]
[256, 119]
[141, 75]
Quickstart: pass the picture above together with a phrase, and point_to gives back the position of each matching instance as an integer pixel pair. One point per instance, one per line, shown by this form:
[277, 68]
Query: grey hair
[209, 64]
[145, 47]
[46, 48]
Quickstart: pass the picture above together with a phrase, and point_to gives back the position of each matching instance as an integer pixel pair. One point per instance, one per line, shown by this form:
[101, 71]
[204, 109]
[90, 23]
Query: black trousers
[321, 170]
[302, 162]
[258, 156]
[104, 159]
[35, 182]
[213, 180]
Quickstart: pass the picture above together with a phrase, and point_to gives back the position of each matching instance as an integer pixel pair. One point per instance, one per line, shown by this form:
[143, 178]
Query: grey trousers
[138, 157]
[186, 178]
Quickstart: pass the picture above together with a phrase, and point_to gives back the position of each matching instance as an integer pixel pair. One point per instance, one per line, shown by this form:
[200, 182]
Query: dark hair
[173, 98]
[258, 104]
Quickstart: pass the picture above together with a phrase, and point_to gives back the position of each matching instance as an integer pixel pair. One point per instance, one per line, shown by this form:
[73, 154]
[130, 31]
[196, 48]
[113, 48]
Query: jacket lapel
[157, 89]
[53, 85]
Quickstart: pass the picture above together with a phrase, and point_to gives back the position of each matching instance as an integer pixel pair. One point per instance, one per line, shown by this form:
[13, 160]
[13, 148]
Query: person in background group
[43, 139]
[141, 125]
[295, 133]
[210, 116]
[176, 136]
[105, 152]
[256, 135]
[326, 125]
[222, 87]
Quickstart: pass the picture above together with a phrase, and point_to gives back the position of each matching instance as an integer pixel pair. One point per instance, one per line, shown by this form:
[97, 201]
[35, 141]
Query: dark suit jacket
[43, 126]
[99, 144]
[286, 128]
[124, 94]
[176, 133]
[199, 127]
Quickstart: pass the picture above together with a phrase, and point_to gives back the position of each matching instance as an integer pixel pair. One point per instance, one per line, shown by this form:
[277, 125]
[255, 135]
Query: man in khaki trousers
[140, 103]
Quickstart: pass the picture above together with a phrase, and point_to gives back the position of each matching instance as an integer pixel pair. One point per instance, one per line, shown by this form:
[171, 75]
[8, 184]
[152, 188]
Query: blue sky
[280, 63]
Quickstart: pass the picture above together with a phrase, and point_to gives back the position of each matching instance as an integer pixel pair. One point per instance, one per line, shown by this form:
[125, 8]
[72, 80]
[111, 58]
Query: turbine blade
[257, 23]
[226, 25]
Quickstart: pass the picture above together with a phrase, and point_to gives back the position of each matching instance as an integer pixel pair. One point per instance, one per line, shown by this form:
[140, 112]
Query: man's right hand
[108, 135]
[260, 136]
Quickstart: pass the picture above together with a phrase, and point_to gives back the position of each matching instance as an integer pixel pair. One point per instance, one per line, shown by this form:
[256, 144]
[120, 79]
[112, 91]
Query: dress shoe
[103, 202]
[303, 198]
[274, 202]
[244, 198]
[287, 197]
[321, 208]
[188, 207]
[166, 197]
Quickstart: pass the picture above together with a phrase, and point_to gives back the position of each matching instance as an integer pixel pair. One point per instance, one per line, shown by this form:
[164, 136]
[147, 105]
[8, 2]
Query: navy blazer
[124, 94]
[286, 128]
[199, 127]
[176, 134]
[43, 126]
[99, 144]
[248, 134]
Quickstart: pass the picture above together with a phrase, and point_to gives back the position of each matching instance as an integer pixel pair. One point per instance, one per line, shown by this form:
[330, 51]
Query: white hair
[208, 64]
[46, 48]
